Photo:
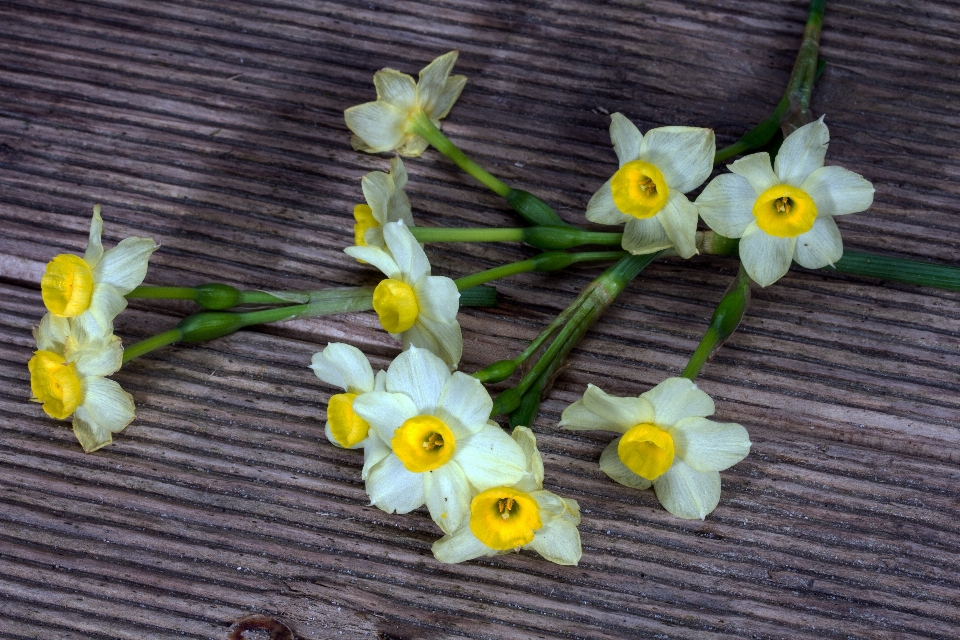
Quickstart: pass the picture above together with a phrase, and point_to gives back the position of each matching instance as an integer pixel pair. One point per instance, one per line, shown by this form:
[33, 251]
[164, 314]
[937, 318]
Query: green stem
[163, 293]
[540, 236]
[726, 318]
[581, 314]
[547, 261]
[927, 274]
[150, 344]
[420, 125]
[435, 234]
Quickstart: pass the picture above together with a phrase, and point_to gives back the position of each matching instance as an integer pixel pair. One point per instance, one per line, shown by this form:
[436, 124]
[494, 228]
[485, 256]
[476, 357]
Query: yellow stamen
[784, 211]
[363, 214]
[647, 450]
[396, 304]
[639, 189]
[55, 384]
[346, 427]
[67, 286]
[423, 443]
[504, 518]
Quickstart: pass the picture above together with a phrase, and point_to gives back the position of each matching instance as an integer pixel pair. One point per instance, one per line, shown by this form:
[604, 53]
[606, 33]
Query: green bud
[552, 237]
[216, 296]
[208, 325]
[533, 209]
[728, 314]
[496, 372]
[506, 402]
[552, 260]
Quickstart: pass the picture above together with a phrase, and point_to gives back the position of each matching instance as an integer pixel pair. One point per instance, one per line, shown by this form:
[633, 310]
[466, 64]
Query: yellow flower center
[639, 189]
[396, 304]
[784, 211]
[423, 443]
[363, 214]
[647, 450]
[346, 427]
[504, 518]
[67, 286]
[54, 383]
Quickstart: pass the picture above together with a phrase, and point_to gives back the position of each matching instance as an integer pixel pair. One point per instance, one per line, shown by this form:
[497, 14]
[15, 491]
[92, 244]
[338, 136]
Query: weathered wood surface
[216, 128]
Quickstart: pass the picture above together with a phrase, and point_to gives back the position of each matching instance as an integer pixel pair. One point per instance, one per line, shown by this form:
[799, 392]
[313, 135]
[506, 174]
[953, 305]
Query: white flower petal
[344, 366]
[433, 80]
[490, 458]
[837, 191]
[99, 358]
[394, 489]
[577, 417]
[601, 208]
[625, 413]
[125, 266]
[105, 409]
[421, 376]
[377, 257]
[414, 146]
[611, 465]
[557, 541]
[441, 106]
[377, 124]
[438, 298]
[726, 204]
[460, 547]
[684, 155]
[407, 252]
[687, 493]
[757, 170]
[626, 138]
[384, 411]
[52, 333]
[532, 479]
[706, 445]
[395, 88]
[802, 153]
[645, 236]
[677, 398]
[679, 219]
[94, 246]
[374, 450]
[377, 189]
[105, 305]
[821, 246]
[443, 339]
[464, 404]
[766, 258]
[447, 494]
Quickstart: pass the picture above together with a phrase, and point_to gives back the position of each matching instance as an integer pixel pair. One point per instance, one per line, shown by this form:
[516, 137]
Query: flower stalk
[726, 318]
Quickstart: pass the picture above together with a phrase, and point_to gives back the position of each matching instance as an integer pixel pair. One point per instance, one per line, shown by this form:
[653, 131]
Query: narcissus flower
[68, 375]
[386, 202]
[389, 123]
[521, 516]
[91, 289]
[444, 447]
[344, 366]
[414, 307]
[665, 441]
[647, 193]
[785, 213]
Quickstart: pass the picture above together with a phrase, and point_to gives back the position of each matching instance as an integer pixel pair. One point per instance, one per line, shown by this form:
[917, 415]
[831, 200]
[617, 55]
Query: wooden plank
[216, 129]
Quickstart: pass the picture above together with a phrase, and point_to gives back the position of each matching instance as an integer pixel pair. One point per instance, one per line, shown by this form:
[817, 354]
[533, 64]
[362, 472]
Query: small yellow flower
[646, 194]
[345, 367]
[415, 307]
[665, 441]
[91, 289]
[785, 213]
[386, 202]
[519, 516]
[68, 376]
[388, 123]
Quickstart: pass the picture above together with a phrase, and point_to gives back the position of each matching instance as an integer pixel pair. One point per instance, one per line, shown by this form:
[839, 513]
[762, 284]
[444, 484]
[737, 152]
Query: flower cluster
[76, 348]
[780, 214]
[428, 440]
